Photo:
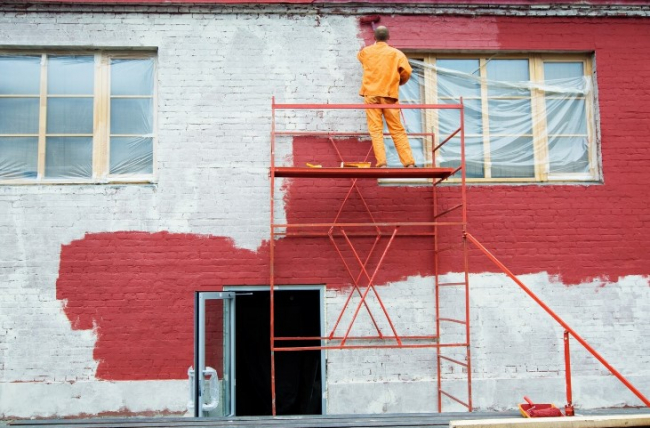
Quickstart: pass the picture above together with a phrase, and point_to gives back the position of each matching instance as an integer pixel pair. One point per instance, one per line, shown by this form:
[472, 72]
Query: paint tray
[539, 410]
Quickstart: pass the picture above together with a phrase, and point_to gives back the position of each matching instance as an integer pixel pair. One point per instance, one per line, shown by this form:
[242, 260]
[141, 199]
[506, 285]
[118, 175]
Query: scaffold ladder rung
[460, 363]
[453, 320]
[451, 284]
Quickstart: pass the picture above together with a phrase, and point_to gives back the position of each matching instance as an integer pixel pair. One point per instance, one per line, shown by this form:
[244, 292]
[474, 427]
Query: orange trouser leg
[400, 139]
[376, 129]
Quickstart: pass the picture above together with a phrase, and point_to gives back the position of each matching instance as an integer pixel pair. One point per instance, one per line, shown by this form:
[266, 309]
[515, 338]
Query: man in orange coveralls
[384, 70]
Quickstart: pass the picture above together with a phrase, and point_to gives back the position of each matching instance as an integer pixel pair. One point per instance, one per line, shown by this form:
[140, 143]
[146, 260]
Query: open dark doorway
[298, 374]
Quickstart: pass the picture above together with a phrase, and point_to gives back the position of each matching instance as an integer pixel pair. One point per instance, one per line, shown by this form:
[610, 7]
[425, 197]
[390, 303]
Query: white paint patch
[41, 400]
[517, 349]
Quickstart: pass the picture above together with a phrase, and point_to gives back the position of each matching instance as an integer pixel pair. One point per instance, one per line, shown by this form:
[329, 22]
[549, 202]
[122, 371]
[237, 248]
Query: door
[213, 383]
[299, 375]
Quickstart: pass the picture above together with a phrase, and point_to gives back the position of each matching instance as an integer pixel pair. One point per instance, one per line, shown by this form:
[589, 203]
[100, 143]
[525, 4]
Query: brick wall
[96, 282]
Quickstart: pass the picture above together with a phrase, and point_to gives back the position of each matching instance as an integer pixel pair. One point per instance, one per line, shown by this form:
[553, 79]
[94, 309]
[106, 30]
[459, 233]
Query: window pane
[20, 75]
[510, 117]
[417, 148]
[449, 120]
[68, 157]
[449, 156]
[568, 154]
[131, 155]
[411, 92]
[458, 78]
[19, 115]
[70, 116]
[512, 157]
[505, 77]
[563, 70]
[132, 77]
[70, 75]
[567, 116]
[18, 157]
[131, 116]
[412, 119]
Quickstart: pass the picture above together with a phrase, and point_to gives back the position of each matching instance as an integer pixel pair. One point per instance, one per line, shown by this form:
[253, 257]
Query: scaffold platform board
[326, 172]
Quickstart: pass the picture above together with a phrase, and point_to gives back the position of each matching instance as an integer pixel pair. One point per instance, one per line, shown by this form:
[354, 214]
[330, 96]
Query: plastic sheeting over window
[68, 157]
[19, 109]
[131, 143]
[94, 128]
[70, 112]
[515, 127]
[131, 155]
[18, 157]
[411, 93]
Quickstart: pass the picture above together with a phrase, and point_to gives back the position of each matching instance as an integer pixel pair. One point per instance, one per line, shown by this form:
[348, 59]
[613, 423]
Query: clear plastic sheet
[19, 108]
[70, 110]
[19, 115]
[70, 117]
[131, 143]
[412, 121]
[70, 75]
[527, 126]
[132, 77]
[68, 157]
[131, 116]
[131, 155]
[18, 157]
[20, 75]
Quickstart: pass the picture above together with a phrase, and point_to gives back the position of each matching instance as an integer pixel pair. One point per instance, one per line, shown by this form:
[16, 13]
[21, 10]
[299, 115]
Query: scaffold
[362, 284]
[436, 176]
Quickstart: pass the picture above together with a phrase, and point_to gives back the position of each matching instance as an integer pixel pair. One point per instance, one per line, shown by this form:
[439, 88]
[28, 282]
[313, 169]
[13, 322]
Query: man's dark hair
[381, 33]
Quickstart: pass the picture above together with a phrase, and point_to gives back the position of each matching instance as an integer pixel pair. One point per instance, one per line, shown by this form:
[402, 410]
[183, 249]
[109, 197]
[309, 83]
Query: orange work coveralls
[384, 70]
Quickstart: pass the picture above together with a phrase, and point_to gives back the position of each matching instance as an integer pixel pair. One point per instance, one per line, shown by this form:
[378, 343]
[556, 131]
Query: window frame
[101, 117]
[536, 63]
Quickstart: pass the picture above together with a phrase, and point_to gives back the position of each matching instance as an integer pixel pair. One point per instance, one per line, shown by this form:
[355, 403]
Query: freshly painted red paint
[136, 289]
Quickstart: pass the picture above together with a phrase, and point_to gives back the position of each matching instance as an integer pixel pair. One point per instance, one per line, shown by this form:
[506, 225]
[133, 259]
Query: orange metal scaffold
[363, 283]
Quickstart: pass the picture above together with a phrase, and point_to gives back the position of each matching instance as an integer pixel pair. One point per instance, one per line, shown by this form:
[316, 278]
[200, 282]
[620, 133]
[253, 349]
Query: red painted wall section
[576, 232]
[136, 289]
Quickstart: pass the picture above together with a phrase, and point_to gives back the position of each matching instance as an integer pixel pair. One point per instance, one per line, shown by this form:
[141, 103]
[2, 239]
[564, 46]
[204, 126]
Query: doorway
[299, 374]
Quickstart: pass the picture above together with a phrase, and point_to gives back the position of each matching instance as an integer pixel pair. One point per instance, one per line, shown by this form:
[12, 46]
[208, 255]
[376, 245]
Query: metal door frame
[200, 297]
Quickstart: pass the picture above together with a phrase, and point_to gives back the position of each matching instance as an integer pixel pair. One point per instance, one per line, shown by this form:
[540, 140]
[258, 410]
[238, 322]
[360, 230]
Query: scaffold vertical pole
[272, 259]
[463, 163]
[437, 287]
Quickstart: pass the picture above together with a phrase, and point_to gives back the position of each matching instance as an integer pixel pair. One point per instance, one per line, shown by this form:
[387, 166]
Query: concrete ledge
[564, 422]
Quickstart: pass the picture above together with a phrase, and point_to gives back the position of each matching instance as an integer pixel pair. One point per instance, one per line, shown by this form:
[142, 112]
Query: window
[76, 118]
[526, 118]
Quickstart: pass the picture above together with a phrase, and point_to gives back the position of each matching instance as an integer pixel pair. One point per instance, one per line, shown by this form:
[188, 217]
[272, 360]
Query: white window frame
[101, 118]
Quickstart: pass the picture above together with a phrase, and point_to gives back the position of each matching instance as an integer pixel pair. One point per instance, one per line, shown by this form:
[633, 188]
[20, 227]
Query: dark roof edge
[566, 8]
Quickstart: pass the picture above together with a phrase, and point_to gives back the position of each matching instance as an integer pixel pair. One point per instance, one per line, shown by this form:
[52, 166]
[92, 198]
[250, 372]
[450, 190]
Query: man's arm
[404, 69]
